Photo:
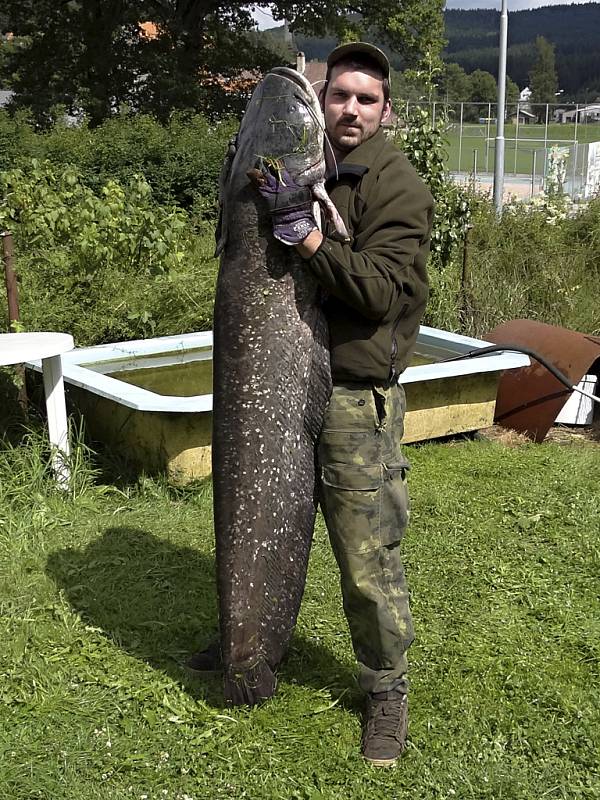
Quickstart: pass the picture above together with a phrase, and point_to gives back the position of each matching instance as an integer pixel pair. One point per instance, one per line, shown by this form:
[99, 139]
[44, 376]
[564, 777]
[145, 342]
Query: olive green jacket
[377, 284]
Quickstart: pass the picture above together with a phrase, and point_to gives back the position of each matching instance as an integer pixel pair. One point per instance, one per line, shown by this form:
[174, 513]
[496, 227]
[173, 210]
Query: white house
[589, 113]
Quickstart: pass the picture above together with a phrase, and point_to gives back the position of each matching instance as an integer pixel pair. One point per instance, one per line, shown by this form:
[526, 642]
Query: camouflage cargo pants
[364, 499]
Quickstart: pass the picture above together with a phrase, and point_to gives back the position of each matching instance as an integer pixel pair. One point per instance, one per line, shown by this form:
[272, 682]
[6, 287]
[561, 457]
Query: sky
[513, 5]
[264, 19]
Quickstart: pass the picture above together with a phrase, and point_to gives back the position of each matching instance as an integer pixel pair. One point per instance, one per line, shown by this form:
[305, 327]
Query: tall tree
[91, 54]
[483, 87]
[454, 84]
[543, 80]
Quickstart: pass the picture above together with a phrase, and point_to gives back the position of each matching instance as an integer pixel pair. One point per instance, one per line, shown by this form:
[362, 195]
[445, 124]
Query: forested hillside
[573, 30]
[473, 43]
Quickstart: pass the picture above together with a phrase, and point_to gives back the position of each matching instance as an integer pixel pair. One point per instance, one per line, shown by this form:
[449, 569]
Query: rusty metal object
[530, 398]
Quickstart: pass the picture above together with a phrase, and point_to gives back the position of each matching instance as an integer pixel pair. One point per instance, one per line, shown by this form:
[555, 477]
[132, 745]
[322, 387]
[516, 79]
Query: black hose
[499, 348]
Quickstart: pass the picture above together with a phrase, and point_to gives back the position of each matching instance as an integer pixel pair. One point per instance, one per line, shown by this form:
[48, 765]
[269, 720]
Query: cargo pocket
[395, 502]
[351, 504]
[365, 507]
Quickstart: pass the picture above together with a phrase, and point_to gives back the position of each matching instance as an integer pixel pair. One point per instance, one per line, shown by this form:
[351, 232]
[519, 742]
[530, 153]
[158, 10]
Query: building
[522, 117]
[589, 113]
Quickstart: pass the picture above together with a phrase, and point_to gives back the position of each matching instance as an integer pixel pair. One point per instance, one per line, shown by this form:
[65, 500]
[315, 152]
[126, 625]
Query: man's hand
[290, 205]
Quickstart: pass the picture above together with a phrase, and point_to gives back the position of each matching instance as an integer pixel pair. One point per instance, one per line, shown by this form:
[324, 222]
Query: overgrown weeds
[523, 266]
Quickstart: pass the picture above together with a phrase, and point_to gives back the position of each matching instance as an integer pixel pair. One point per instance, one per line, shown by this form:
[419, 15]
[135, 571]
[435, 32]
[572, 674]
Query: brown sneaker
[384, 728]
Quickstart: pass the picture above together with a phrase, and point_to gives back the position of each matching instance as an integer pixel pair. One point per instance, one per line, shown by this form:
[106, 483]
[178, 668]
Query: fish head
[285, 123]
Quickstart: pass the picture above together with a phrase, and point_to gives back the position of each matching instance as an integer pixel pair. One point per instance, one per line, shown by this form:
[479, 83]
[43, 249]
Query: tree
[512, 91]
[543, 80]
[454, 84]
[91, 55]
[483, 88]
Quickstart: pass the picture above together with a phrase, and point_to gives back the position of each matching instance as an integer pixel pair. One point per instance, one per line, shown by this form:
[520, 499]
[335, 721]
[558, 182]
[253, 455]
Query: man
[376, 285]
[377, 289]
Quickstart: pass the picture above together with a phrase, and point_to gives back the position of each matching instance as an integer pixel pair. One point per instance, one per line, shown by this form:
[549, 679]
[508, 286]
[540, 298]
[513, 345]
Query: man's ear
[387, 110]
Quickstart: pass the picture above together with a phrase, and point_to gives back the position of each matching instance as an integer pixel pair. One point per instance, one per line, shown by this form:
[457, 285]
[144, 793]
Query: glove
[290, 205]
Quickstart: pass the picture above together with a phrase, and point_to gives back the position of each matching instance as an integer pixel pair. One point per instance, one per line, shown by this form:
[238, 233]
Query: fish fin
[340, 231]
[221, 231]
[249, 686]
[220, 234]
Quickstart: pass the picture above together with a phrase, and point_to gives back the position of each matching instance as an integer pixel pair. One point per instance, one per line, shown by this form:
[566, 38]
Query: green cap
[365, 49]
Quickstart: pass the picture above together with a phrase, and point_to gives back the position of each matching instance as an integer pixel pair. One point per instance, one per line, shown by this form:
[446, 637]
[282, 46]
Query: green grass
[518, 155]
[104, 592]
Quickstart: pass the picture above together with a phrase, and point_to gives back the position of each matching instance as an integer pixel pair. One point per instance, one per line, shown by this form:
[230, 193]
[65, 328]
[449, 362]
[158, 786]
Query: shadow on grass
[157, 601]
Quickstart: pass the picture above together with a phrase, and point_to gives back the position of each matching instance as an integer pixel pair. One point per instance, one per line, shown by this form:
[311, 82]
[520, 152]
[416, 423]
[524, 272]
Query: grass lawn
[518, 154]
[105, 592]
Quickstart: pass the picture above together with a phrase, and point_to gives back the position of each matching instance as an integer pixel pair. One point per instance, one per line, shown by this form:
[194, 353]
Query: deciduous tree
[543, 79]
[91, 54]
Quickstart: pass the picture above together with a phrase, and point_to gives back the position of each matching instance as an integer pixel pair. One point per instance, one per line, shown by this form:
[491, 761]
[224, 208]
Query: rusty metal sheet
[530, 398]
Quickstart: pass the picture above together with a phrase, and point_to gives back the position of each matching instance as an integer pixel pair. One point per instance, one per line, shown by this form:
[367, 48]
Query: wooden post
[12, 294]
[10, 279]
[465, 310]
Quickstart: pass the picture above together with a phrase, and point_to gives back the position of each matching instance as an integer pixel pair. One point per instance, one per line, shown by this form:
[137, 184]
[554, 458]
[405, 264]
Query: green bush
[104, 266]
[181, 161]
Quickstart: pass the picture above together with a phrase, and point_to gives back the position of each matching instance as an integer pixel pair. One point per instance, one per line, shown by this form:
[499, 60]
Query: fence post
[10, 278]
[545, 146]
[487, 137]
[460, 135]
[533, 173]
[516, 140]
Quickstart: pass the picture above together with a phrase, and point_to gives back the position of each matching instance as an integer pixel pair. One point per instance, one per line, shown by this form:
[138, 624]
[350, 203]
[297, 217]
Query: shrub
[528, 264]
[104, 266]
[181, 161]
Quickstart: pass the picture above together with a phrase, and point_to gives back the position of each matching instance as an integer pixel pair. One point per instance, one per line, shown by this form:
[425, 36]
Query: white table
[16, 348]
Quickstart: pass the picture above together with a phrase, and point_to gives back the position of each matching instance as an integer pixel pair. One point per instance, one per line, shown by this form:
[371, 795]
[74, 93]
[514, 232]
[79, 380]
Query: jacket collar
[358, 160]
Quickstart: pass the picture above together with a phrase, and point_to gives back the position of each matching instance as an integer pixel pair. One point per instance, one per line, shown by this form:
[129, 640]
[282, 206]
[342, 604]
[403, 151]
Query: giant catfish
[270, 389]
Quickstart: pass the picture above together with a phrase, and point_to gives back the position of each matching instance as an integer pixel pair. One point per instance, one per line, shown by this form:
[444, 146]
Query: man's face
[353, 106]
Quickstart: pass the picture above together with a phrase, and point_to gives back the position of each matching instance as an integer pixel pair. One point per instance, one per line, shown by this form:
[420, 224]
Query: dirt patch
[561, 434]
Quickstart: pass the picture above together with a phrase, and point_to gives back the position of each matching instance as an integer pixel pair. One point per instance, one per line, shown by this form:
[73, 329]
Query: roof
[315, 72]
[149, 30]
[5, 97]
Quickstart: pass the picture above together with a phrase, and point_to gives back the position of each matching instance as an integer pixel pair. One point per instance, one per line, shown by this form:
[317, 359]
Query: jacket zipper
[394, 353]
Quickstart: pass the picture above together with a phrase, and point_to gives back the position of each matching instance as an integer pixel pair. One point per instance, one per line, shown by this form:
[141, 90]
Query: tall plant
[423, 142]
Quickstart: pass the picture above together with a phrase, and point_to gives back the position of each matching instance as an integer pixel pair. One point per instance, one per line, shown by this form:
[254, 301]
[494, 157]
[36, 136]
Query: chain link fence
[531, 133]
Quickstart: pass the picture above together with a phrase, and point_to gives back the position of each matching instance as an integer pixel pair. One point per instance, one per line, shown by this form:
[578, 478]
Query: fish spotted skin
[271, 384]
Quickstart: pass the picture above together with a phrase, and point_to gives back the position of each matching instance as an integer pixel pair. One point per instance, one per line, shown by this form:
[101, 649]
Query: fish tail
[249, 685]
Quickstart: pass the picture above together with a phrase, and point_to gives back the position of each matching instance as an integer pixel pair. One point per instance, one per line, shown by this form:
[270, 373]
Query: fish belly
[271, 386]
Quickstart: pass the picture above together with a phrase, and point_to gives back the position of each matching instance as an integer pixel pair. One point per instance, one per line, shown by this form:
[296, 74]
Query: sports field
[520, 145]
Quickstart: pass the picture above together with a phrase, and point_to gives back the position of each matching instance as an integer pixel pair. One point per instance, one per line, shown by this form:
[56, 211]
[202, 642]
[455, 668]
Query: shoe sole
[381, 762]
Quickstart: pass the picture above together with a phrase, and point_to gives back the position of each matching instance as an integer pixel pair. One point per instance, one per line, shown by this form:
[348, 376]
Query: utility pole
[500, 109]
